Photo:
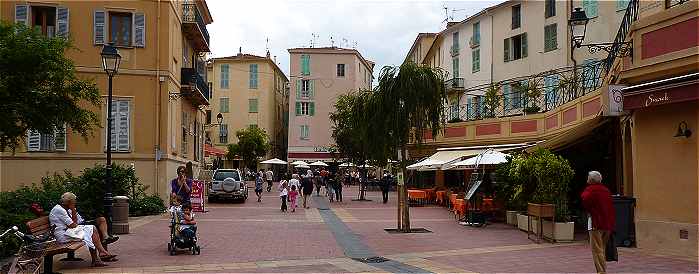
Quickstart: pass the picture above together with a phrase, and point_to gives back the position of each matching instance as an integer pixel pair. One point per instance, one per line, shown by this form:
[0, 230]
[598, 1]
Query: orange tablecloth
[417, 194]
[430, 194]
[452, 199]
[459, 207]
[441, 197]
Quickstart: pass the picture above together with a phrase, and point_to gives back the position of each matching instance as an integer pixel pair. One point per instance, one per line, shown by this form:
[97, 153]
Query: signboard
[401, 182]
[661, 96]
[616, 101]
[197, 196]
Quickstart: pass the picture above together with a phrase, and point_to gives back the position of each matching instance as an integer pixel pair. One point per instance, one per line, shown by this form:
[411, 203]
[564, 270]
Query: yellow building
[159, 91]
[248, 90]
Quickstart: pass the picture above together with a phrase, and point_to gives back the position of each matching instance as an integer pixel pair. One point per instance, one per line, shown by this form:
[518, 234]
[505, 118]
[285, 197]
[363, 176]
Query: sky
[382, 30]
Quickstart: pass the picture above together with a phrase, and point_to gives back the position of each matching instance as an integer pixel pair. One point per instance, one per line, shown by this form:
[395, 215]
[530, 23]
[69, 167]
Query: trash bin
[120, 215]
[625, 228]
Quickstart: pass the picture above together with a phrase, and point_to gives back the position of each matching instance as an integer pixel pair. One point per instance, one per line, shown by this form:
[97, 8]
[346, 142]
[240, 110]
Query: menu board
[197, 196]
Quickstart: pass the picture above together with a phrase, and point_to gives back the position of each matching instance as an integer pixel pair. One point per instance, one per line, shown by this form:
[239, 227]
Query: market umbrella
[296, 163]
[274, 161]
[302, 166]
[488, 158]
[318, 163]
[346, 165]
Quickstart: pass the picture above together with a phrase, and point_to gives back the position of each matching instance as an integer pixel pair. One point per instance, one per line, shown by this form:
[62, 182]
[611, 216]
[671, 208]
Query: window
[550, 37]
[211, 89]
[305, 109]
[252, 105]
[550, 91]
[52, 141]
[455, 41]
[185, 132]
[550, 8]
[44, 20]
[304, 132]
[223, 134]
[340, 70]
[512, 96]
[51, 21]
[454, 110]
[455, 66]
[253, 76]
[223, 105]
[306, 89]
[126, 29]
[516, 16]
[476, 40]
[120, 28]
[475, 60]
[621, 5]
[515, 47]
[225, 69]
[120, 126]
[591, 8]
[305, 65]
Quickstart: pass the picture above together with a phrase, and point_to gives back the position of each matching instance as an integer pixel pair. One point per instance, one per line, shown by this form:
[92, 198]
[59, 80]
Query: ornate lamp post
[110, 64]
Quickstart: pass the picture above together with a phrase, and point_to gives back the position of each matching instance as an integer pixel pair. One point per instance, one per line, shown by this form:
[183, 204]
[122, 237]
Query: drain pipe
[157, 103]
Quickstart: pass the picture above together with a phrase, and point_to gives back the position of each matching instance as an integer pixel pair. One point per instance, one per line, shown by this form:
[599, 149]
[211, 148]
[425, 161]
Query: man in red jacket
[597, 201]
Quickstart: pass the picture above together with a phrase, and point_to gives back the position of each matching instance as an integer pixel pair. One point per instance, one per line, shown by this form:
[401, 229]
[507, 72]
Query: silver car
[228, 184]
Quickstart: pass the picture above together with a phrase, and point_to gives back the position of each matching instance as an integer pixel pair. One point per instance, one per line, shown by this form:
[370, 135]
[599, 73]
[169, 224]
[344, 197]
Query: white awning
[444, 157]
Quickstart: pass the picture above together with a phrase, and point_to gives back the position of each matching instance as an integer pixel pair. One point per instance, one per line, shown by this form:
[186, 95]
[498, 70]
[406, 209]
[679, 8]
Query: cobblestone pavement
[257, 237]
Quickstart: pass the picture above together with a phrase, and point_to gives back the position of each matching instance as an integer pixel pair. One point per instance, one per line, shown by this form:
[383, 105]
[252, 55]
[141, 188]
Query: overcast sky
[382, 30]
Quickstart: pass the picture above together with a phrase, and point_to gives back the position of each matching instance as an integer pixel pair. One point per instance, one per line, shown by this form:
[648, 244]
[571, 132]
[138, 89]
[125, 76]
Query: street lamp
[578, 26]
[110, 64]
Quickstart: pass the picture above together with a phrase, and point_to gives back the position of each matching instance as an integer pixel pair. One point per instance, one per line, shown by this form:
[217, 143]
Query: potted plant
[531, 92]
[509, 193]
[491, 100]
[553, 174]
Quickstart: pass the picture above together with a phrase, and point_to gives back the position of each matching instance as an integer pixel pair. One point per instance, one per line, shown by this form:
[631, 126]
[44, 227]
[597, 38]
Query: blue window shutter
[33, 140]
[139, 30]
[22, 14]
[99, 27]
[62, 16]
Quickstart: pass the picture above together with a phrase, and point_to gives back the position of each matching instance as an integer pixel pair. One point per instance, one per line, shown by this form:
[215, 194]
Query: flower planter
[541, 210]
[511, 217]
[522, 220]
[565, 231]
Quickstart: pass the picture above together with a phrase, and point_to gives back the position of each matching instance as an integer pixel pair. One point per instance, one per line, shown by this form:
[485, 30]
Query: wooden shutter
[139, 22]
[298, 89]
[524, 45]
[99, 25]
[298, 108]
[62, 16]
[506, 49]
[123, 122]
[506, 95]
[22, 14]
[33, 140]
[311, 109]
[60, 138]
[311, 89]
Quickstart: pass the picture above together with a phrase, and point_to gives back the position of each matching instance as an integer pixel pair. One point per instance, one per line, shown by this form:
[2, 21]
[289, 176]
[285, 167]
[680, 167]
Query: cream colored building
[159, 92]
[248, 90]
[318, 77]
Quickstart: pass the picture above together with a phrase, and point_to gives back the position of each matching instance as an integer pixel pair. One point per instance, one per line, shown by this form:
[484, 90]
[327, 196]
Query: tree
[253, 143]
[38, 87]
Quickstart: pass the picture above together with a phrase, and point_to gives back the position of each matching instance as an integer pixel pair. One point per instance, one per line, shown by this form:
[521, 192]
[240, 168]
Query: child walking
[293, 194]
[283, 193]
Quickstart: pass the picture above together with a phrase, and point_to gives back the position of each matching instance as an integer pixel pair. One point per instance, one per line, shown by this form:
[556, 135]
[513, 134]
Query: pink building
[318, 77]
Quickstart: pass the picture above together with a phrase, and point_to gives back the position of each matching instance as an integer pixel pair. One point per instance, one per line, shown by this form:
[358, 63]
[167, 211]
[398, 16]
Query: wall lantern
[683, 130]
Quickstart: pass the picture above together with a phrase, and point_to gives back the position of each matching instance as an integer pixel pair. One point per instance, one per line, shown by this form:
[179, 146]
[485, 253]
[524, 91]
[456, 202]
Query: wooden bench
[42, 225]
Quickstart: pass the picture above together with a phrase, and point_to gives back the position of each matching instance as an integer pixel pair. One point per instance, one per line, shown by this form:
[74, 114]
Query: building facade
[159, 92]
[318, 77]
[248, 90]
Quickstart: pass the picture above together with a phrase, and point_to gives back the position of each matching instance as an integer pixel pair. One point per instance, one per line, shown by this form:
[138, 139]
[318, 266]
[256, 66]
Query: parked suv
[228, 184]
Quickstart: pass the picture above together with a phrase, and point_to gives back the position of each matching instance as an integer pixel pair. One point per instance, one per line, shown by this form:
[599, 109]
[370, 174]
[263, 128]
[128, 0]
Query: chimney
[268, 57]
[240, 51]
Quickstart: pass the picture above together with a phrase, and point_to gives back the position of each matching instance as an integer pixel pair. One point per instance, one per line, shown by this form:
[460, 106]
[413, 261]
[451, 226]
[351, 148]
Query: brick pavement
[256, 237]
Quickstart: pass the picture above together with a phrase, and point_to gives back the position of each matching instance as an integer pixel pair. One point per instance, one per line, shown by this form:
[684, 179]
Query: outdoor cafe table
[414, 194]
[430, 193]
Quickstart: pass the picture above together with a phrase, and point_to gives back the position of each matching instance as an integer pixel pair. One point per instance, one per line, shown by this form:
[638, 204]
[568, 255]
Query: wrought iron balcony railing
[527, 95]
[196, 81]
[191, 15]
[454, 84]
[630, 16]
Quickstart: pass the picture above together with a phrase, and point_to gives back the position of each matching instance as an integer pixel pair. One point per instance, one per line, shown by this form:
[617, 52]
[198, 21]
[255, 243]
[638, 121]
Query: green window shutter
[621, 4]
[455, 66]
[550, 37]
[311, 89]
[298, 108]
[477, 33]
[298, 89]
[524, 45]
[252, 105]
[591, 8]
[305, 64]
[476, 60]
[506, 49]
[311, 109]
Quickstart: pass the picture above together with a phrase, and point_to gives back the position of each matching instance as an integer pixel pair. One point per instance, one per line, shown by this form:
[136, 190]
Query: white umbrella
[318, 163]
[274, 161]
[424, 164]
[302, 166]
[488, 158]
[346, 165]
[296, 163]
[366, 166]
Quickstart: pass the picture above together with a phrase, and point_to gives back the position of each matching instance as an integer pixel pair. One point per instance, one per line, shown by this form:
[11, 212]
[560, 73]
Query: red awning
[212, 151]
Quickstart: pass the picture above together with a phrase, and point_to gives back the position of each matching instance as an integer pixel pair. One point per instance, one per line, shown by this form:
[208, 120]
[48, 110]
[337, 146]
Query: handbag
[610, 252]
[75, 233]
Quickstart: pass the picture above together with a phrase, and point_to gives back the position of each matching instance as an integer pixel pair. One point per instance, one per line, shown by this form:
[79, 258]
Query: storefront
[662, 135]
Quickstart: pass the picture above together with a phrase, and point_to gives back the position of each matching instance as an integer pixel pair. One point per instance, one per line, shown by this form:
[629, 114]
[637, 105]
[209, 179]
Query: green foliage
[350, 128]
[34, 71]
[146, 205]
[491, 100]
[541, 177]
[253, 143]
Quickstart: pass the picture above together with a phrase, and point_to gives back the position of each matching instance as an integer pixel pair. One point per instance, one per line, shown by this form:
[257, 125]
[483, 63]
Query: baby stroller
[182, 236]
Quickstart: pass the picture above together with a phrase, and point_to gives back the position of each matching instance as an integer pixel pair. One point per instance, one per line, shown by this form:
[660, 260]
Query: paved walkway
[331, 237]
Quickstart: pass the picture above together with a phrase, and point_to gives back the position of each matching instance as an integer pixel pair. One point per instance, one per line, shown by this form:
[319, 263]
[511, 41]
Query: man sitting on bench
[70, 227]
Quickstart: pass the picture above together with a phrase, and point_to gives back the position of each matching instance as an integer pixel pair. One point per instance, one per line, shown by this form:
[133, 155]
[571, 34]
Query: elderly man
[597, 201]
[70, 227]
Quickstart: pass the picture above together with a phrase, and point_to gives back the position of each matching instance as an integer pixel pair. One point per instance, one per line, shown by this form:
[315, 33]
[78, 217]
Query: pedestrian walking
[283, 194]
[597, 201]
[386, 181]
[306, 189]
[329, 189]
[270, 179]
[338, 188]
[316, 180]
[258, 188]
[294, 182]
[293, 194]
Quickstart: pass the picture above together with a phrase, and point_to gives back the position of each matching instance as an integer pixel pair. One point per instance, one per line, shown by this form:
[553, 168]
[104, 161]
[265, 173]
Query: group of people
[300, 186]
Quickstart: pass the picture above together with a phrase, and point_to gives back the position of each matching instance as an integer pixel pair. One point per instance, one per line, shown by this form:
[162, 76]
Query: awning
[212, 151]
[446, 156]
[571, 136]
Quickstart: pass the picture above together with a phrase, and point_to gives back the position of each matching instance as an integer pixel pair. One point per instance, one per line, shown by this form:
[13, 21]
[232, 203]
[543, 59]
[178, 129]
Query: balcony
[194, 86]
[454, 84]
[194, 27]
[454, 50]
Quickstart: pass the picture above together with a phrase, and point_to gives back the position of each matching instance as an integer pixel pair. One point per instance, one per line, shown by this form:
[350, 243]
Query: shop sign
[197, 196]
[661, 97]
[616, 101]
